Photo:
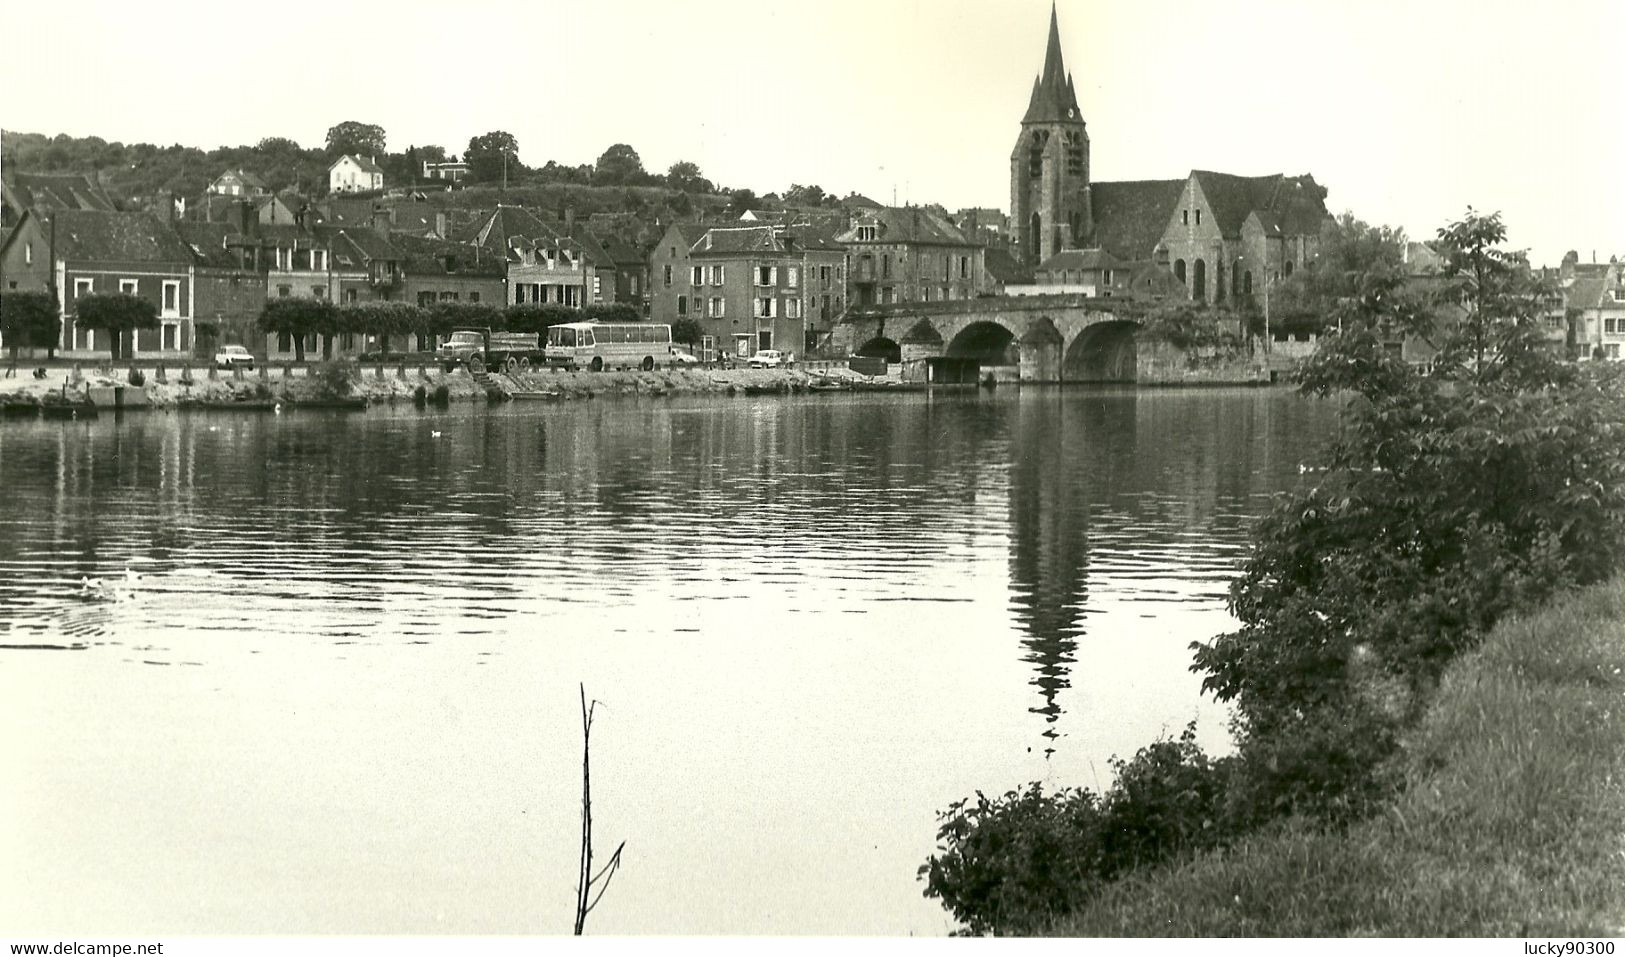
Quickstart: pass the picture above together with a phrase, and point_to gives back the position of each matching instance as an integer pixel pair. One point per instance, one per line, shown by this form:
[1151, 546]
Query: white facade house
[354, 174]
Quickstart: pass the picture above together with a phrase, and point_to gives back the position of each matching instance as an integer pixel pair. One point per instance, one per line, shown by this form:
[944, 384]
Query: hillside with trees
[145, 176]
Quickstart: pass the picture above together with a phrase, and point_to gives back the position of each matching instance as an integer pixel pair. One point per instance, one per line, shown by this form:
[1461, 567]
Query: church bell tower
[1049, 169]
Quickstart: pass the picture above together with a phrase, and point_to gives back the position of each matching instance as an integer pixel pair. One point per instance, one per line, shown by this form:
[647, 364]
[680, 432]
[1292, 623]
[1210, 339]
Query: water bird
[434, 433]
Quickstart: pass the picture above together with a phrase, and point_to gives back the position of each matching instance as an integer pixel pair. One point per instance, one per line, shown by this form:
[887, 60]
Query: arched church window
[1289, 269]
[1179, 269]
[1199, 281]
[1247, 282]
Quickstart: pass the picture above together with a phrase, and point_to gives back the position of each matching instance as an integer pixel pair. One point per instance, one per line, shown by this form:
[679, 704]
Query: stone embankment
[392, 383]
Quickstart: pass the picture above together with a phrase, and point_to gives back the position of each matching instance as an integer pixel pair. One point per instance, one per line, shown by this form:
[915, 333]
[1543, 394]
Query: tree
[493, 156]
[351, 136]
[686, 330]
[1447, 502]
[799, 195]
[117, 313]
[29, 319]
[280, 145]
[740, 200]
[1351, 253]
[619, 166]
[298, 318]
[685, 176]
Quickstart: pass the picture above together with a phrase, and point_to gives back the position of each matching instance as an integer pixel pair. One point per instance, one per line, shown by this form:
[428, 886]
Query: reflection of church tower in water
[1049, 523]
[1049, 168]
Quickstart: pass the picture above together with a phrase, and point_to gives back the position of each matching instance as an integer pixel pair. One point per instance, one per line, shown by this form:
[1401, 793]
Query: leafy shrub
[136, 377]
[441, 395]
[1014, 862]
[420, 395]
[336, 378]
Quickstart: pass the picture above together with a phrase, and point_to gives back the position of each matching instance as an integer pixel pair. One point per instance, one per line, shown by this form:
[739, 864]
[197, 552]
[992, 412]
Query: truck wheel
[511, 366]
[524, 364]
[597, 364]
[476, 365]
[648, 363]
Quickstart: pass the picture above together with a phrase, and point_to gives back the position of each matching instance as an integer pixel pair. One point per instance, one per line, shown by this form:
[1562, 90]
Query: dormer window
[868, 234]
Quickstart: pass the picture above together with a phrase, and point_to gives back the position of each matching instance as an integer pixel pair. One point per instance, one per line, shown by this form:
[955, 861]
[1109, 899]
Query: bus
[600, 345]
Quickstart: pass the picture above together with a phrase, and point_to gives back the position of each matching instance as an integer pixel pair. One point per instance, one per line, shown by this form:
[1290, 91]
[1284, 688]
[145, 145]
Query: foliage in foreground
[1027, 857]
[1448, 503]
[1508, 823]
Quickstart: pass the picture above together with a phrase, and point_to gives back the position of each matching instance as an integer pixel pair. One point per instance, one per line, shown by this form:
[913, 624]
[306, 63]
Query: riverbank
[1510, 824]
[386, 384]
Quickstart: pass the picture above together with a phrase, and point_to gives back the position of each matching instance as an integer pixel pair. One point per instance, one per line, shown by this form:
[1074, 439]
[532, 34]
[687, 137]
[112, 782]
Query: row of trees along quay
[1449, 501]
[400, 323]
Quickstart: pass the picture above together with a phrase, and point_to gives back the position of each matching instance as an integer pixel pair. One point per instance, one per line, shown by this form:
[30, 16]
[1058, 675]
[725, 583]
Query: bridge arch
[881, 347]
[989, 342]
[1103, 352]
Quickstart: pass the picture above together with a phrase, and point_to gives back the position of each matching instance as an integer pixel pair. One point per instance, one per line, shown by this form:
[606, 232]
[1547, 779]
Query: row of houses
[210, 278]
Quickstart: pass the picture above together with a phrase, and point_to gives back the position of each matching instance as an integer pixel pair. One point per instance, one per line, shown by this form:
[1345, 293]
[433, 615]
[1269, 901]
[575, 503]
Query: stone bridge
[1060, 338]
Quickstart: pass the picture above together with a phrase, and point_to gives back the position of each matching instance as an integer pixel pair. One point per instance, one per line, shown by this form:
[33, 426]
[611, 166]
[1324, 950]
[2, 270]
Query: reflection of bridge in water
[1063, 338]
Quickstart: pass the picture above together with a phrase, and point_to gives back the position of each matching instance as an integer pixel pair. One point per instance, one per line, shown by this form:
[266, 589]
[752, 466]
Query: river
[321, 670]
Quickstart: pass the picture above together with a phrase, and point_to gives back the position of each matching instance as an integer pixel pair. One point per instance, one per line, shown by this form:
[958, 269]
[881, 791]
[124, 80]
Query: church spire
[1053, 98]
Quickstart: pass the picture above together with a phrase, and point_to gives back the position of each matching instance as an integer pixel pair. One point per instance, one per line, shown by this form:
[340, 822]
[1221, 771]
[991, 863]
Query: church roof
[1295, 204]
[1130, 217]
[1053, 97]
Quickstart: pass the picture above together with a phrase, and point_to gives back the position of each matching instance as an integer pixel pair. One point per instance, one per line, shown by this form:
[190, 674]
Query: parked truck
[480, 349]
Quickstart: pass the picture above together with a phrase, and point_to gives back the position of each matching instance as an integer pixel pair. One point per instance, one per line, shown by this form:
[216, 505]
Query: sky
[1407, 112]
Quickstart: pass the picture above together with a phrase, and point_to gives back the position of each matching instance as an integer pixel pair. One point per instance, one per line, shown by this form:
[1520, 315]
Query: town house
[910, 254]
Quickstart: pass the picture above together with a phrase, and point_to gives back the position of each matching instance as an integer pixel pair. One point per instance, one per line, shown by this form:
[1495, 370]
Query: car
[680, 358]
[766, 359]
[234, 357]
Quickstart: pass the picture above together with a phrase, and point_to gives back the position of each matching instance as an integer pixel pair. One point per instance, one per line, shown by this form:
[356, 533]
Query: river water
[321, 670]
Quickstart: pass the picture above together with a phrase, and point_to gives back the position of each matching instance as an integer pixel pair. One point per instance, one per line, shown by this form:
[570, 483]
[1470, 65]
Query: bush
[1012, 863]
[336, 378]
[136, 377]
[420, 395]
[441, 395]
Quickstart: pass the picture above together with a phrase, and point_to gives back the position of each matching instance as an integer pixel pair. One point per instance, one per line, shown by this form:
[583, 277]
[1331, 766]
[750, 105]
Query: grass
[1512, 822]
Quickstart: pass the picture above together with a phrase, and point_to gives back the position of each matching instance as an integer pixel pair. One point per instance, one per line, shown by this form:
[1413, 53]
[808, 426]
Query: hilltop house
[354, 174]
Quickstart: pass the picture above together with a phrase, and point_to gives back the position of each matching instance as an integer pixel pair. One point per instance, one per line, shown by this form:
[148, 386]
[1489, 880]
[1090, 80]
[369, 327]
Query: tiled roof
[429, 257]
[910, 224]
[1297, 203]
[1130, 217]
[366, 163]
[1078, 259]
[623, 253]
[367, 244]
[44, 191]
[737, 239]
[1004, 268]
[1584, 292]
[117, 237]
[497, 230]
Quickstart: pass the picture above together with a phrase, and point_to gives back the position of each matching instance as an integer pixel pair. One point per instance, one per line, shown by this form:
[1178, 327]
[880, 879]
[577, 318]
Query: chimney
[440, 224]
[382, 218]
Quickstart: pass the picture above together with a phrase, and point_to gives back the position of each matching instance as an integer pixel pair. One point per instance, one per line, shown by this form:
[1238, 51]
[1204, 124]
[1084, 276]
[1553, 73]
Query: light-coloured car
[680, 358]
[234, 357]
[766, 359]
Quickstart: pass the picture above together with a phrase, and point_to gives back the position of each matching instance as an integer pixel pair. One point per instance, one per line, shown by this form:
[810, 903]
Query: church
[1220, 237]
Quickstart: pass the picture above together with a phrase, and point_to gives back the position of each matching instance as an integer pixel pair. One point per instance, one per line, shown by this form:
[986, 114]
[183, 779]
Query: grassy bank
[1512, 822]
